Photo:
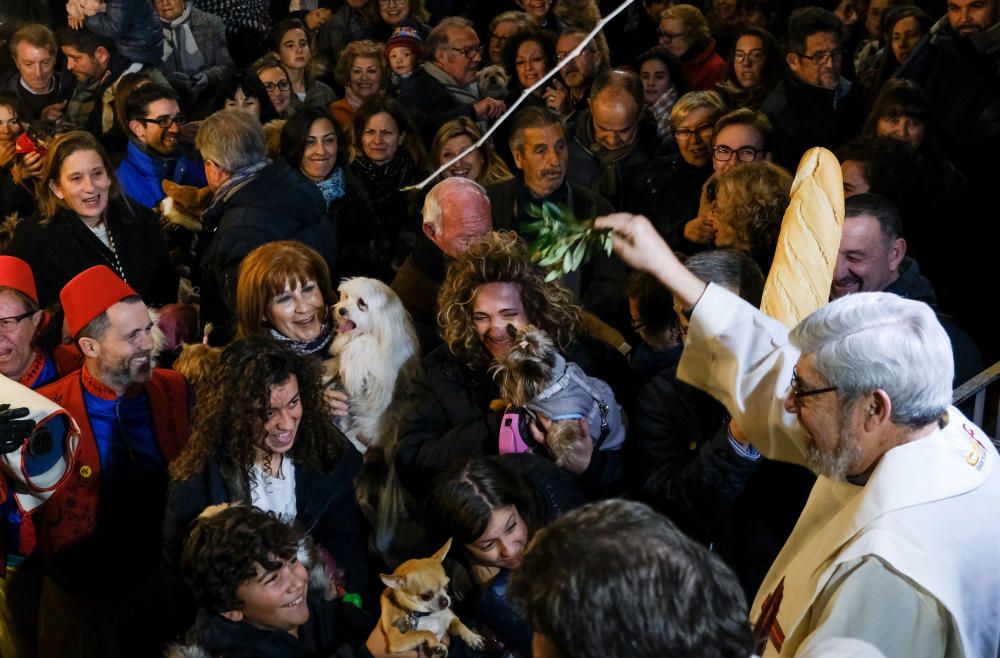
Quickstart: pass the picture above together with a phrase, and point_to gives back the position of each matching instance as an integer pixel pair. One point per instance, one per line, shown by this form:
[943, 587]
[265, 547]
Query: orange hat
[90, 293]
[16, 274]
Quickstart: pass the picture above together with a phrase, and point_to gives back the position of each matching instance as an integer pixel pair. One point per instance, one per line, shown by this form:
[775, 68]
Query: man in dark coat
[445, 87]
[254, 203]
[814, 105]
[538, 143]
[41, 88]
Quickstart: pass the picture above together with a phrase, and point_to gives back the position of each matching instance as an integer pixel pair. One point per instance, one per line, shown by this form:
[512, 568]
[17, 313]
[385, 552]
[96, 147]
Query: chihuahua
[416, 608]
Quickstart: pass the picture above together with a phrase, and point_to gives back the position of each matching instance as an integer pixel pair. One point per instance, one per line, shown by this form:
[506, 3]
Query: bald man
[456, 213]
[605, 149]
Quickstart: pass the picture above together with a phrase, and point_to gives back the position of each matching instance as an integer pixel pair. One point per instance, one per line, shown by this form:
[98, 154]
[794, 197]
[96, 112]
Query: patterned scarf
[316, 346]
[333, 187]
[467, 95]
[179, 43]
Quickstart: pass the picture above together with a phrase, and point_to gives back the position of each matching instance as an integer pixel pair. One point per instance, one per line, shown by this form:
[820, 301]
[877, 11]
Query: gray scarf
[179, 43]
[467, 95]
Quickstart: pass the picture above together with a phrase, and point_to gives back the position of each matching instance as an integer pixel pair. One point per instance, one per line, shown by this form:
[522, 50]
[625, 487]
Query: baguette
[806, 253]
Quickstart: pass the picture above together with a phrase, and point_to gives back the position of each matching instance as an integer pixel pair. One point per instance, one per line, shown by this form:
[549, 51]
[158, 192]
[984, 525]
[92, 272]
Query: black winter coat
[280, 203]
[805, 116]
[668, 192]
[448, 417]
[430, 104]
[63, 247]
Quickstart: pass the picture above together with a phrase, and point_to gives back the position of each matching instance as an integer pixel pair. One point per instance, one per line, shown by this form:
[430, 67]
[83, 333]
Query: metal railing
[981, 390]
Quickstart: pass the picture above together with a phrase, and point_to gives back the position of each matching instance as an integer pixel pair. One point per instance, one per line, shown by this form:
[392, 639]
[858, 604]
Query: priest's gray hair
[873, 340]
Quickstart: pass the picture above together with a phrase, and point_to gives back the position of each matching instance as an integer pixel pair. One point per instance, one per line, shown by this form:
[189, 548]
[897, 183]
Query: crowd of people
[185, 184]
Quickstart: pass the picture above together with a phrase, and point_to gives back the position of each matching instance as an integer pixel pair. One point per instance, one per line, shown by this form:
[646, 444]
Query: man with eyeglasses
[895, 543]
[445, 88]
[153, 118]
[814, 105]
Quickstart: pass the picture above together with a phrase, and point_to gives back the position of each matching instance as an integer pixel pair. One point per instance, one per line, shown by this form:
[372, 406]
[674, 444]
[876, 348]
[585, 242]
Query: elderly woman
[85, 220]
[503, 27]
[263, 436]
[490, 507]
[684, 34]
[284, 291]
[754, 69]
[292, 44]
[669, 190]
[195, 57]
[494, 285]
[361, 70]
[750, 202]
[482, 165]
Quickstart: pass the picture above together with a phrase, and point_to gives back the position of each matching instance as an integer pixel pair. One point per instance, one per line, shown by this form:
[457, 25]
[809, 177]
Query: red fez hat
[16, 274]
[90, 293]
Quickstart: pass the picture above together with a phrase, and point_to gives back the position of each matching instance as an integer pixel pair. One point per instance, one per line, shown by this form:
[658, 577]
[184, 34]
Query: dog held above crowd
[265, 393]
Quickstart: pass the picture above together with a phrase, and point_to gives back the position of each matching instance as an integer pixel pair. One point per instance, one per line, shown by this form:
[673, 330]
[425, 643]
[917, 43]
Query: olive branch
[563, 243]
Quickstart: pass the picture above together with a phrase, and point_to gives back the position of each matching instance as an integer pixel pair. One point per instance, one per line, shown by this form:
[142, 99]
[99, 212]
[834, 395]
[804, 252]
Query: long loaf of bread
[806, 254]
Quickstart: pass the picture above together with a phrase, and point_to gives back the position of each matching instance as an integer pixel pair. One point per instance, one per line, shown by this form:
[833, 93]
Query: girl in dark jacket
[86, 220]
[490, 508]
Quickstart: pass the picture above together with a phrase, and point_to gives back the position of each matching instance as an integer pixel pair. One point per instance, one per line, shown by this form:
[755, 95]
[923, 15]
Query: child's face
[401, 60]
[275, 600]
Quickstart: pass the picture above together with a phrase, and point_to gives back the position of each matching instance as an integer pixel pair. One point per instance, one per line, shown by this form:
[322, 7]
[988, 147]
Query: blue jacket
[142, 174]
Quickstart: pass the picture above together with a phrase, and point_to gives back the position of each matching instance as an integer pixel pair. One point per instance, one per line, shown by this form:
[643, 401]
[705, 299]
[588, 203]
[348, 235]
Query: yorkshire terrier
[535, 376]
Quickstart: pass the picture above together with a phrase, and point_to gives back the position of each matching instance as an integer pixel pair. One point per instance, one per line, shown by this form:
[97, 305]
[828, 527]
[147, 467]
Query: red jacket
[704, 69]
[71, 513]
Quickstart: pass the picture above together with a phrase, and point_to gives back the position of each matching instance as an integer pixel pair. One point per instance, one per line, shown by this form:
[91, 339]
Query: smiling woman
[84, 220]
[264, 436]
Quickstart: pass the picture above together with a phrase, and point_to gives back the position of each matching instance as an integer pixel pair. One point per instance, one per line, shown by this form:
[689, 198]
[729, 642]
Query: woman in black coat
[86, 220]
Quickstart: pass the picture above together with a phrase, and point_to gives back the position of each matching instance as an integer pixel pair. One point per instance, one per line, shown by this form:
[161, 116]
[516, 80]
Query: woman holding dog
[263, 435]
[490, 507]
[488, 288]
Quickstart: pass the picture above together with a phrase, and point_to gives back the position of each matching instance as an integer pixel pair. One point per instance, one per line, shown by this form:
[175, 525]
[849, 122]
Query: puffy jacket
[142, 174]
[135, 28]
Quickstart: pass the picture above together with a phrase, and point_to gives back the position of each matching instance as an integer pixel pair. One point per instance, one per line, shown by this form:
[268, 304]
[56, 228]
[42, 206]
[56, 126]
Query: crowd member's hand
[29, 167]
[179, 80]
[336, 401]
[318, 17]
[14, 432]
[489, 108]
[557, 97]
[55, 111]
[75, 22]
[379, 646]
[581, 450]
[198, 82]
[636, 241]
[700, 230]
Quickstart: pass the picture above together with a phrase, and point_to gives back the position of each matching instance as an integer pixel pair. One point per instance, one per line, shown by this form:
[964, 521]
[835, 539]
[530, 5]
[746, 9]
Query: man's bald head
[615, 99]
[456, 214]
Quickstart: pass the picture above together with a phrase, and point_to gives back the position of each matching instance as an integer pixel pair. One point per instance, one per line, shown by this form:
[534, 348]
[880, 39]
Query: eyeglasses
[386, 3]
[743, 153]
[283, 85]
[164, 122]
[9, 324]
[470, 51]
[667, 37]
[751, 57]
[704, 132]
[834, 55]
[798, 393]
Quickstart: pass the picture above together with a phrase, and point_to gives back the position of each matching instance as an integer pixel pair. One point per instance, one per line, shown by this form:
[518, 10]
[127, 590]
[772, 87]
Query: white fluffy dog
[375, 355]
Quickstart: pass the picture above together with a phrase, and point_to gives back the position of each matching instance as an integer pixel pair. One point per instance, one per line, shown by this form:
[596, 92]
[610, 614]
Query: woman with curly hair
[362, 71]
[750, 201]
[492, 287]
[263, 435]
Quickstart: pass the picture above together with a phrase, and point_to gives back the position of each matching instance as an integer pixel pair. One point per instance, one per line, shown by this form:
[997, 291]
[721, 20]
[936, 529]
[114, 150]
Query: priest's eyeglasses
[798, 392]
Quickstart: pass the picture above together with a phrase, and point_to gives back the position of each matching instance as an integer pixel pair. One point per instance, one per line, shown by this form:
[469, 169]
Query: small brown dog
[416, 608]
[184, 205]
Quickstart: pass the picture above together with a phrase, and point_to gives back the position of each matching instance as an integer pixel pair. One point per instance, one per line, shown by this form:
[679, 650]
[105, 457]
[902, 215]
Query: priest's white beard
[835, 465]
